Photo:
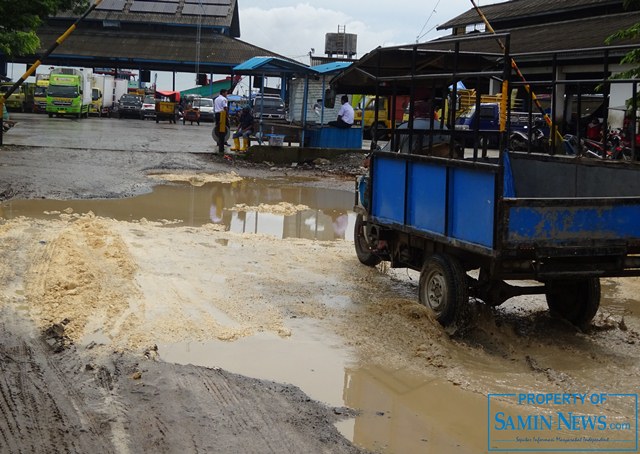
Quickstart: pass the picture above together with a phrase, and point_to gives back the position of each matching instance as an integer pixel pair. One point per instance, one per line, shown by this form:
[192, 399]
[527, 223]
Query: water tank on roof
[340, 44]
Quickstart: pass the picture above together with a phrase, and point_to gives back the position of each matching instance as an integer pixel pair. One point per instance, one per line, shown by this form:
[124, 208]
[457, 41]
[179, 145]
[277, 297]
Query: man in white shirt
[345, 114]
[221, 110]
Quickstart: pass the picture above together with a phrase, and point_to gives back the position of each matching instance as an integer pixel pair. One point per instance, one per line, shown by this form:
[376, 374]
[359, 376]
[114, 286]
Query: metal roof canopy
[157, 50]
[272, 66]
[394, 70]
[332, 67]
[275, 67]
[500, 12]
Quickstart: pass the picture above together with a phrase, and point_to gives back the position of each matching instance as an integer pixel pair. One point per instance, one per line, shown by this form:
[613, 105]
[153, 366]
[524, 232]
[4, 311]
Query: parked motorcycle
[613, 148]
[533, 141]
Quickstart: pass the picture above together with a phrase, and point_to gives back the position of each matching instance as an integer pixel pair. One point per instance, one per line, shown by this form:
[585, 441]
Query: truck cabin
[63, 91]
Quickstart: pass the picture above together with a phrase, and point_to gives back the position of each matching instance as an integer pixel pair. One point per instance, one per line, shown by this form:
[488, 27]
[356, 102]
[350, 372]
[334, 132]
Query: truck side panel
[428, 182]
[472, 201]
[585, 222]
[564, 202]
[441, 200]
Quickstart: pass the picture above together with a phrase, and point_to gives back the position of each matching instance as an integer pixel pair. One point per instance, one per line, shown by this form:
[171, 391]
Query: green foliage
[633, 56]
[631, 33]
[19, 20]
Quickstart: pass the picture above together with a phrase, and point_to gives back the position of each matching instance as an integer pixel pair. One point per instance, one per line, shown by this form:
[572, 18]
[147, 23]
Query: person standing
[221, 112]
[345, 114]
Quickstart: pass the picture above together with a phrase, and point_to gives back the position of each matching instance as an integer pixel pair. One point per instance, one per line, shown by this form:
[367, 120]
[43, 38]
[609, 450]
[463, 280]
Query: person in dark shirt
[245, 129]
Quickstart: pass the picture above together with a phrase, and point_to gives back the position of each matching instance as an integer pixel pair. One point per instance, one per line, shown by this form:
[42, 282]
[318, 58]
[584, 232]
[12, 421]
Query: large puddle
[329, 215]
[400, 411]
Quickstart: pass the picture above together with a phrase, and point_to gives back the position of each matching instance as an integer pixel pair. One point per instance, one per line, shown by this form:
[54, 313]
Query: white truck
[105, 92]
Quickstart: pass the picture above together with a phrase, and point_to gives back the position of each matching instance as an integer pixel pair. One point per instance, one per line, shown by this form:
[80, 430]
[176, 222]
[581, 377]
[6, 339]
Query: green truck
[69, 93]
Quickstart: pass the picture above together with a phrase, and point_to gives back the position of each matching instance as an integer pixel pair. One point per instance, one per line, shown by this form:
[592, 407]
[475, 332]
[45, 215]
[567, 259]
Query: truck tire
[443, 287]
[575, 300]
[363, 251]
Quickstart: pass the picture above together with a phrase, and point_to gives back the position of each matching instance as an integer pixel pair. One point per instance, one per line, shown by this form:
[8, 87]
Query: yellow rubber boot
[245, 144]
[236, 144]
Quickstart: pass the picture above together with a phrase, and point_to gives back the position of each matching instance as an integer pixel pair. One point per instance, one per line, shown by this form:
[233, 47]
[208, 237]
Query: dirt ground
[86, 300]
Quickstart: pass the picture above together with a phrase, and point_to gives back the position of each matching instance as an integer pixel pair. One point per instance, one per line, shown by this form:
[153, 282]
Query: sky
[292, 28]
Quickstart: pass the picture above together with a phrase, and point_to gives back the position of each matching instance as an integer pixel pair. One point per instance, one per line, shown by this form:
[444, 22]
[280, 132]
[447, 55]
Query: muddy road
[157, 299]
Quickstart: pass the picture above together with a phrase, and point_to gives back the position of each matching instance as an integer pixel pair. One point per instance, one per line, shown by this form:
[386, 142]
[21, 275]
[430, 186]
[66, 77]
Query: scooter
[534, 141]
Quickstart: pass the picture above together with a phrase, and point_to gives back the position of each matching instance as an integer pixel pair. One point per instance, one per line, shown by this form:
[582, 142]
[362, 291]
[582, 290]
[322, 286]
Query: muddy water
[400, 411]
[517, 347]
[329, 215]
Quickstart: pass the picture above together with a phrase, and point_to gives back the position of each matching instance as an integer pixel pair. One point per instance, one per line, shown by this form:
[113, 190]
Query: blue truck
[487, 118]
[478, 225]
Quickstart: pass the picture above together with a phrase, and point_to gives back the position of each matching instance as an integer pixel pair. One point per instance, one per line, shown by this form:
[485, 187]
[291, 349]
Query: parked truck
[69, 92]
[20, 100]
[40, 93]
[105, 92]
[365, 113]
[488, 226]
[487, 119]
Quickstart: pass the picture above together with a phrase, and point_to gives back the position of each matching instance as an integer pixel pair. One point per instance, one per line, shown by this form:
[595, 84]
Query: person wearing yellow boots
[245, 129]
[220, 129]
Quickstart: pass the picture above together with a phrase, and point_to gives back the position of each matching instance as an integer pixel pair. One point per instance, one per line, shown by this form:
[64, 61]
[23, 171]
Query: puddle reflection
[234, 205]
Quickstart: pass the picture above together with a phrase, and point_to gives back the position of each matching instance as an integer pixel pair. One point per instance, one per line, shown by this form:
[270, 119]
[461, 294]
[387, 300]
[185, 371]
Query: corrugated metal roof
[208, 91]
[523, 9]
[159, 50]
[559, 36]
[332, 67]
[271, 66]
[185, 14]
[363, 76]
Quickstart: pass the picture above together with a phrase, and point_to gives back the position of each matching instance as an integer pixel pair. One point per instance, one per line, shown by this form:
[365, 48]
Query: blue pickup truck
[563, 221]
[487, 119]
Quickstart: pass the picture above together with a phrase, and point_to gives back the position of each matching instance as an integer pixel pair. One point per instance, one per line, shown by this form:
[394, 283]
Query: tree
[633, 32]
[19, 20]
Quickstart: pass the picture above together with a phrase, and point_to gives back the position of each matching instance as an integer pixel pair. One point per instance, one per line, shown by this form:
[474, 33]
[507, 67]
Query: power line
[420, 34]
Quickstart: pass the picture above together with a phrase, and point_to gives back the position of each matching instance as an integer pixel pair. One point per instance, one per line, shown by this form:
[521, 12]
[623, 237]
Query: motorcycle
[613, 148]
[533, 141]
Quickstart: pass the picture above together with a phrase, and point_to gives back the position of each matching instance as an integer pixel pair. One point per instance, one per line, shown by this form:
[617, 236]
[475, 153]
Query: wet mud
[237, 303]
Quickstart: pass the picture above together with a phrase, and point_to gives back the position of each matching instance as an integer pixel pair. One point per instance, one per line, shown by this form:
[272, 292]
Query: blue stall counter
[328, 137]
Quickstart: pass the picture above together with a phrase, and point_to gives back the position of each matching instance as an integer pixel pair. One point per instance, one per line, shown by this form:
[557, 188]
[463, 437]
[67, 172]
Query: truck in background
[69, 92]
[40, 93]
[120, 88]
[488, 120]
[365, 113]
[105, 92]
[20, 100]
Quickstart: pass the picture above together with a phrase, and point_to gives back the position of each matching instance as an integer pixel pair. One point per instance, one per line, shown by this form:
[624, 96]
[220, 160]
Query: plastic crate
[276, 140]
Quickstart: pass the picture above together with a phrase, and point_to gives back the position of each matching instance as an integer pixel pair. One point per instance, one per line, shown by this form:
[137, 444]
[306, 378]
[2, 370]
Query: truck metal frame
[564, 221]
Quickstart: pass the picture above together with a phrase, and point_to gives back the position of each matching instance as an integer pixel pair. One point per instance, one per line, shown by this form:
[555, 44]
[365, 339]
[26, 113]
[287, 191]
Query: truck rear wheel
[443, 287]
[363, 251]
[575, 300]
